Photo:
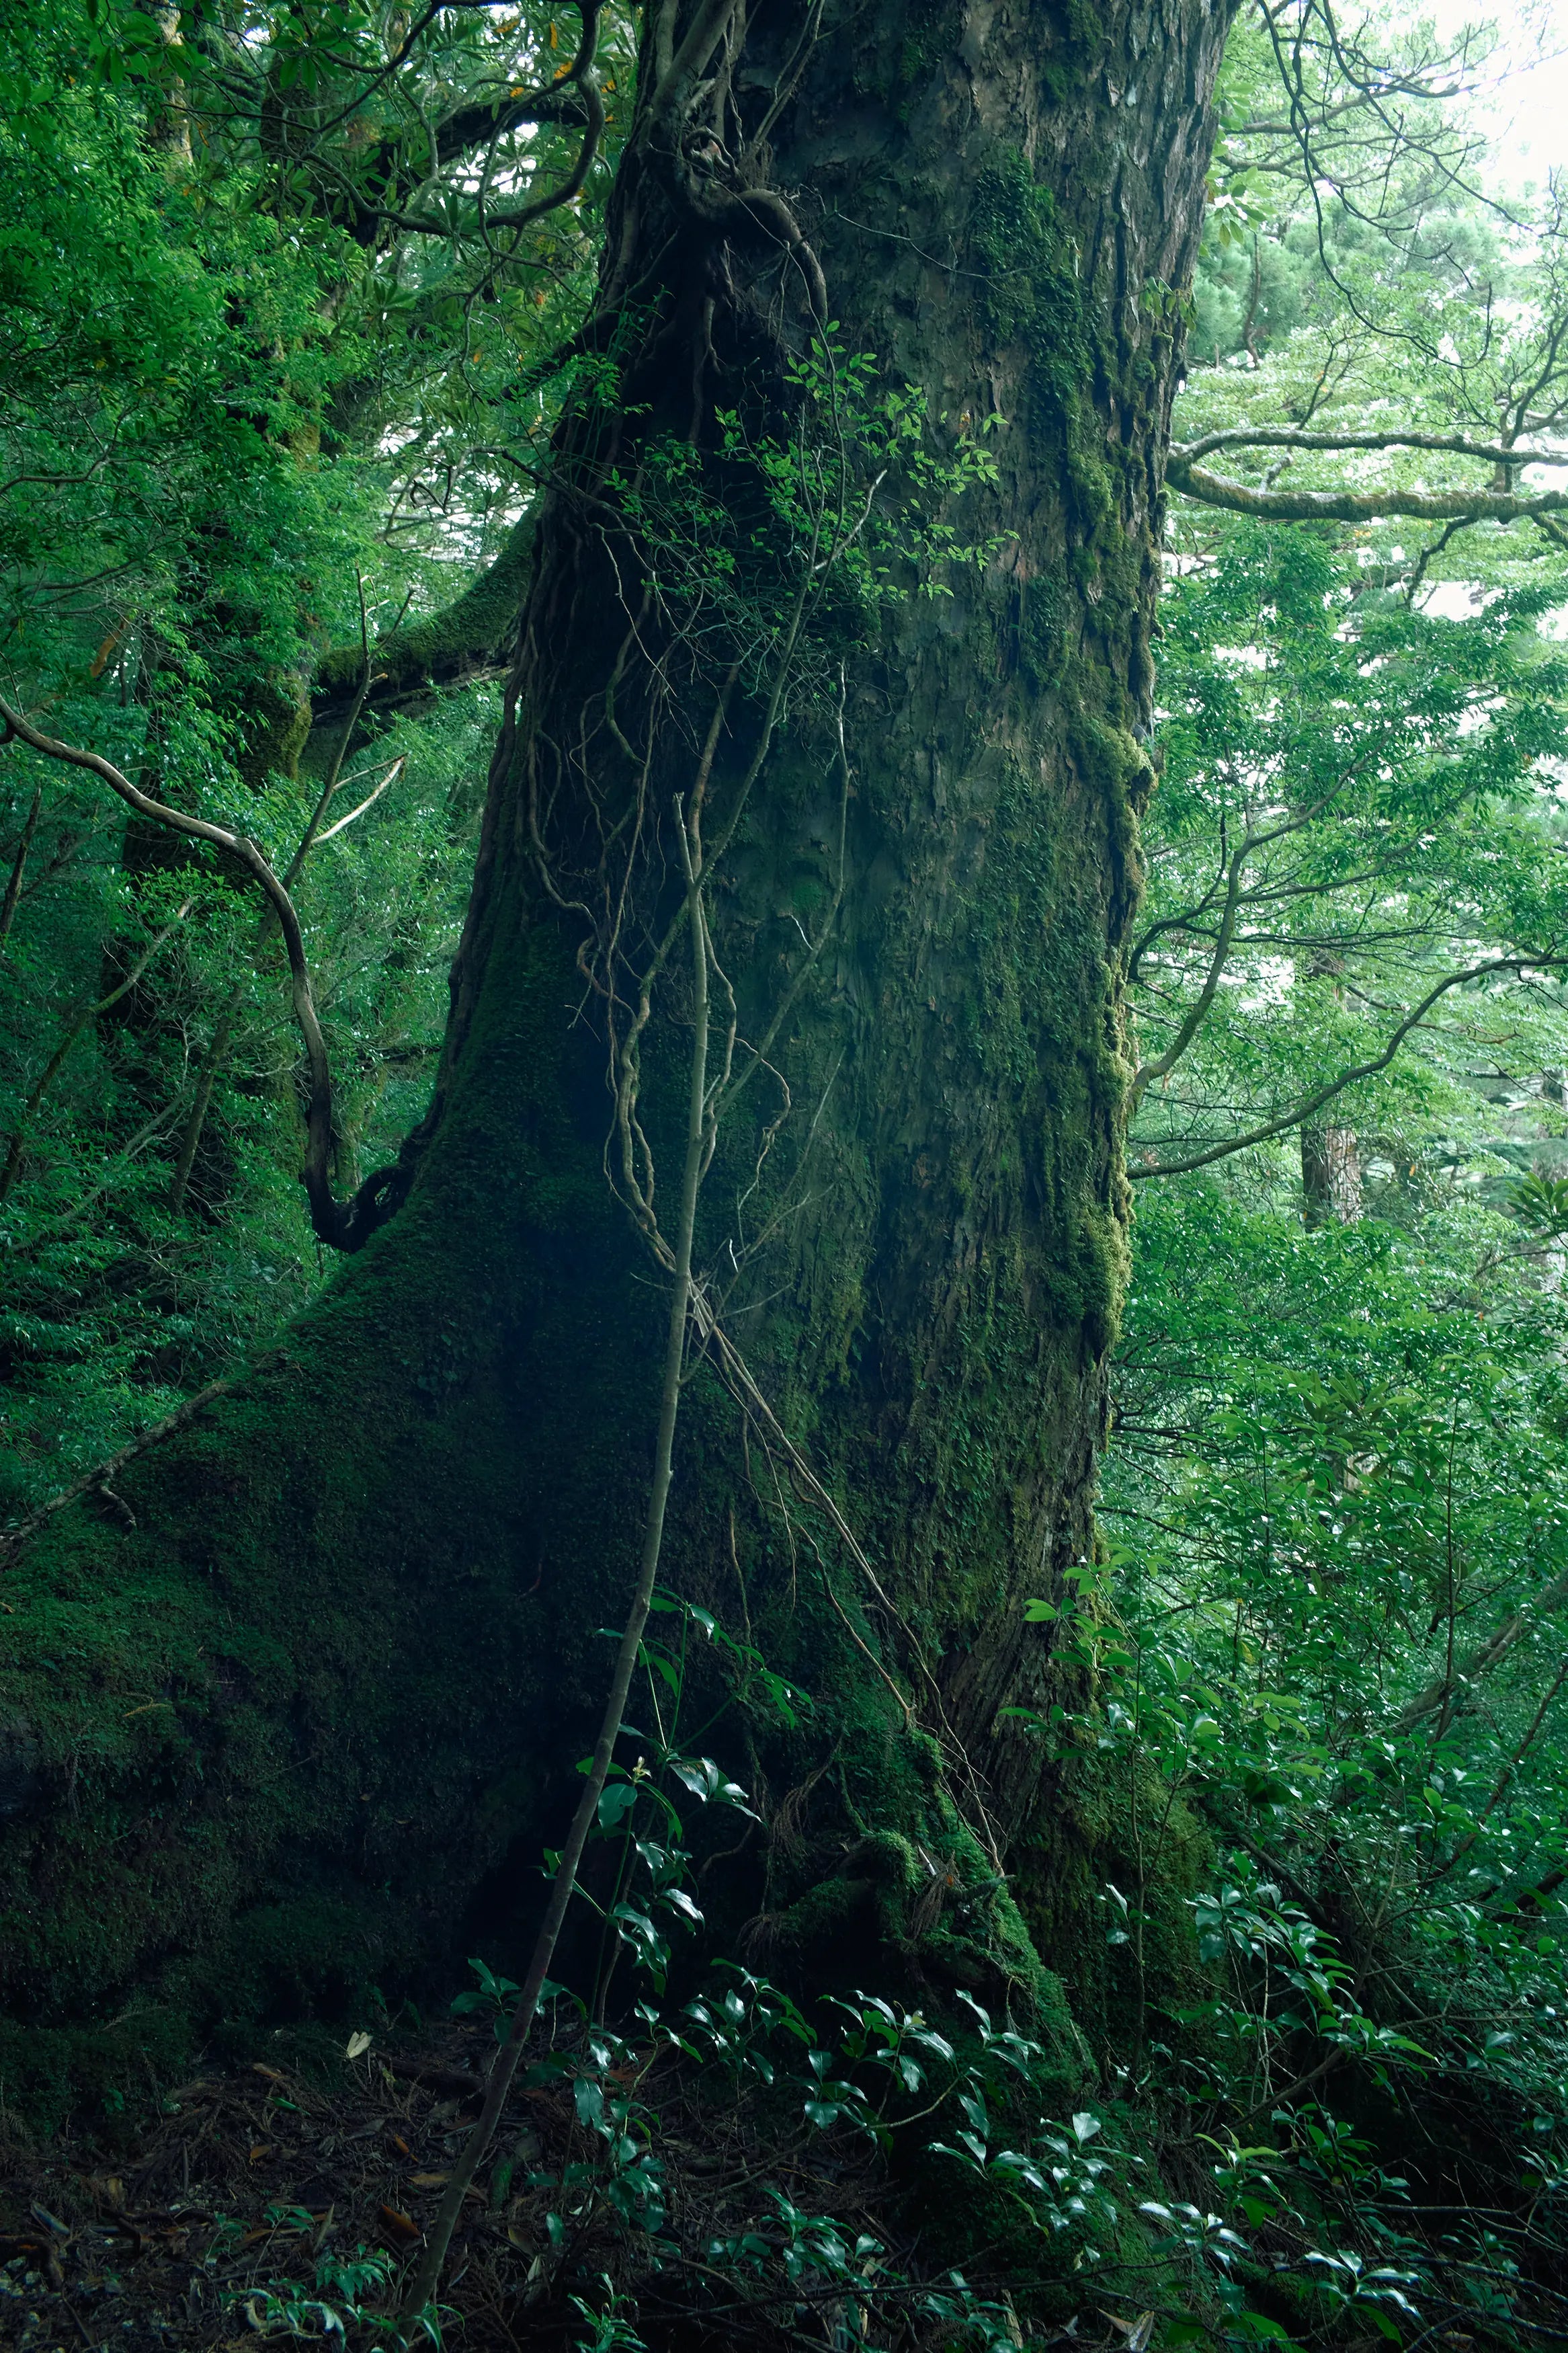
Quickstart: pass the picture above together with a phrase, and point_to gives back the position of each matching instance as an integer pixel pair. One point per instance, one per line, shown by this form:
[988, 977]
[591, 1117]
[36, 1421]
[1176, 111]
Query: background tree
[1323, 1416]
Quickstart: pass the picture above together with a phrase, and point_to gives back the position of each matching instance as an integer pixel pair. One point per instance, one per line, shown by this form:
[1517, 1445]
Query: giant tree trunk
[271, 1738]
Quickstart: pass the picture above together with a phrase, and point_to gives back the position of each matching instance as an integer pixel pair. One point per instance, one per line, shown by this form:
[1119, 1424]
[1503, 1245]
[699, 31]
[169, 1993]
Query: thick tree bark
[346, 1653]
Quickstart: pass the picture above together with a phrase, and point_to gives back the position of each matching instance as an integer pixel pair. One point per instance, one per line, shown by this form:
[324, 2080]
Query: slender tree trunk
[197, 1119]
[1331, 1159]
[341, 1662]
[1330, 1177]
[19, 866]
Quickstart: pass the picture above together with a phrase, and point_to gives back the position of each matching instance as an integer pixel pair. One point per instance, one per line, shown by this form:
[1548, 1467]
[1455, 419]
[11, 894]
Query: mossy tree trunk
[278, 1731]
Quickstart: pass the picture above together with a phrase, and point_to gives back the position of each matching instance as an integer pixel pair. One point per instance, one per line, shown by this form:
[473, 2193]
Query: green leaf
[617, 1799]
[588, 2098]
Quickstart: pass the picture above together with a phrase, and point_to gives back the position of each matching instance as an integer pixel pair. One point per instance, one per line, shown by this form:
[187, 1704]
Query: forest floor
[191, 2230]
[228, 2211]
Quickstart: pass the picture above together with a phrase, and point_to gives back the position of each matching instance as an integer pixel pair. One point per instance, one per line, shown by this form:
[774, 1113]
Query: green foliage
[207, 485]
[771, 555]
[346, 2291]
[1359, 799]
[1339, 1472]
[877, 2073]
[1352, 201]
[1327, 1621]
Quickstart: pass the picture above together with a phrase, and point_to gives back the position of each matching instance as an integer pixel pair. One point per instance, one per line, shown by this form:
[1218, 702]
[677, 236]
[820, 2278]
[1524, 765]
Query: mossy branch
[1183, 472]
[312, 838]
[1296, 436]
[96, 1480]
[435, 647]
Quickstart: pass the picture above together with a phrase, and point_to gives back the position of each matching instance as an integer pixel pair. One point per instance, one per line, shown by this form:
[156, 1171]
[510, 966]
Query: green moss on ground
[266, 1742]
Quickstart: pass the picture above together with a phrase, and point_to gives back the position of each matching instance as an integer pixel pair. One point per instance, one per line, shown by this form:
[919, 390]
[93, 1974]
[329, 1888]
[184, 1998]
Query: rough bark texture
[269, 1741]
[1330, 1177]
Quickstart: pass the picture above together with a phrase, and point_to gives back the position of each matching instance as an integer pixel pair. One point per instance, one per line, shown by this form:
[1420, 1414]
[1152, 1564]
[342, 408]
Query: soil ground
[171, 2234]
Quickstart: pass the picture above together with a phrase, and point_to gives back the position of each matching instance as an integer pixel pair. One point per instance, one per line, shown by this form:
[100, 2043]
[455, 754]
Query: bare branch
[1147, 1073]
[344, 1225]
[371, 798]
[1305, 1108]
[1294, 437]
[335, 771]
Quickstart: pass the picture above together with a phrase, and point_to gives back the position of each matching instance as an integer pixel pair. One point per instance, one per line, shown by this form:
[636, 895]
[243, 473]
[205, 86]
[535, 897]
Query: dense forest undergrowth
[1083, 1851]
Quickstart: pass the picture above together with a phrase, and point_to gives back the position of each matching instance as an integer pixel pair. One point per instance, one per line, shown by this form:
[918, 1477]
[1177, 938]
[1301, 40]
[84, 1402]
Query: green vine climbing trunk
[344, 1661]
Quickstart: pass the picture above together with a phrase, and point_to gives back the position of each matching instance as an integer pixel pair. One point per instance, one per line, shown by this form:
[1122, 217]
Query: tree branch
[342, 1224]
[1304, 1109]
[1485, 1656]
[1359, 506]
[369, 801]
[460, 133]
[435, 647]
[13, 1539]
[1296, 436]
[73, 1031]
[1192, 1021]
[336, 768]
[1236, 898]
[580, 75]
